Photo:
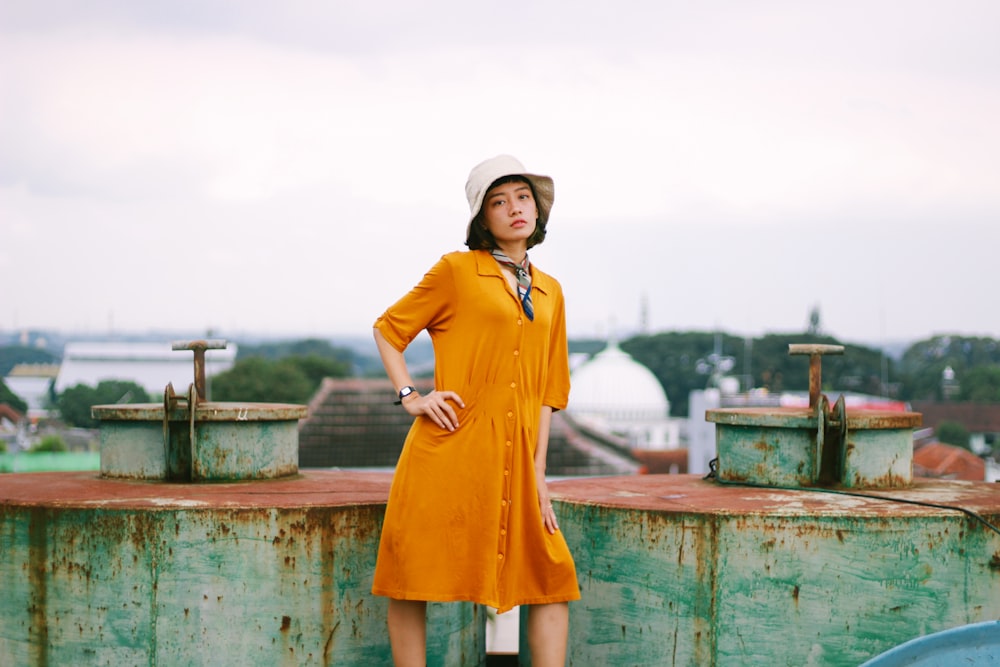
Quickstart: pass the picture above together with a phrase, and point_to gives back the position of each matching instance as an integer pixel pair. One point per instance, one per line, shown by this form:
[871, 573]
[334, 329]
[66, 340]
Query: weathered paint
[878, 459]
[802, 447]
[676, 570]
[223, 442]
[116, 572]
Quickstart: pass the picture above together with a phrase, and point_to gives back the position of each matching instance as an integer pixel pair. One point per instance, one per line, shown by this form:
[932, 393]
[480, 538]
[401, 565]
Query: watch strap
[403, 393]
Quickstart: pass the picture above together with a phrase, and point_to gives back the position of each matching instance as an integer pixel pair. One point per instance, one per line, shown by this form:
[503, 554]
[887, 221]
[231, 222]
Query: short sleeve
[429, 305]
[556, 394]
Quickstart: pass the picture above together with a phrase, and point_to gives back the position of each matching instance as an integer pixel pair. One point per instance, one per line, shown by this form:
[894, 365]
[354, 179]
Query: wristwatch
[403, 393]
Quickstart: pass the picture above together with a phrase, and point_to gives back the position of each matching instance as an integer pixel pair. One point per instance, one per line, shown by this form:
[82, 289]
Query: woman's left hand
[545, 505]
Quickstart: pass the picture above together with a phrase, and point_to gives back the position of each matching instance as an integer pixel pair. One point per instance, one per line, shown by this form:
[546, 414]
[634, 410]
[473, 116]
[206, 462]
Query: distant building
[32, 383]
[981, 420]
[613, 393]
[150, 365]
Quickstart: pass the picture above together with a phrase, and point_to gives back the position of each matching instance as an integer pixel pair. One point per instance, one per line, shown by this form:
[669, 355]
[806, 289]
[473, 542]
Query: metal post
[815, 352]
[199, 347]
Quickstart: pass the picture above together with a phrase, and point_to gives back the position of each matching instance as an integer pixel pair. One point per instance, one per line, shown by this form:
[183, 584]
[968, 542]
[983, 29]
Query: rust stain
[995, 562]
[38, 553]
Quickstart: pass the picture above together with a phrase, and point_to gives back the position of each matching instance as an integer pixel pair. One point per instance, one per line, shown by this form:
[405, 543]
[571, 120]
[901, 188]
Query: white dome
[615, 386]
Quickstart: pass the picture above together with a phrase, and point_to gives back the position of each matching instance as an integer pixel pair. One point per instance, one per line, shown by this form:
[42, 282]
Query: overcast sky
[293, 167]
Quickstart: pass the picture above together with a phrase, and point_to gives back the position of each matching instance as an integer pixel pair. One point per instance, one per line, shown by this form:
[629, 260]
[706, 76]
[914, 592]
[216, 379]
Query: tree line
[292, 371]
[686, 361]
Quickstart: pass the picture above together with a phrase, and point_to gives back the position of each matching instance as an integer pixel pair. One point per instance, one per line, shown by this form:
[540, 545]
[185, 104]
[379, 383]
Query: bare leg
[408, 632]
[548, 633]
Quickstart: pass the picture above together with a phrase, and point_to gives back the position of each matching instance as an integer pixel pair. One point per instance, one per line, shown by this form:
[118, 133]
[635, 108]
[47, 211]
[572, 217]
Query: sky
[292, 168]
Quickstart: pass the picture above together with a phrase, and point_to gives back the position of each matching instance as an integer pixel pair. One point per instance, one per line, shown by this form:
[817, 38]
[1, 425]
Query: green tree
[51, 443]
[13, 400]
[981, 384]
[315, 368]
[297, 348]
[674, 359]
[684, 361]
[260, 380]
[75, 402]
[953, 433]
[859, 369]
[924, 362]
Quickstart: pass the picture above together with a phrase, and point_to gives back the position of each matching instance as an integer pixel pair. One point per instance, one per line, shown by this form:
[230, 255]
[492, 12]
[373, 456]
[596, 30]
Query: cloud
[280, 151]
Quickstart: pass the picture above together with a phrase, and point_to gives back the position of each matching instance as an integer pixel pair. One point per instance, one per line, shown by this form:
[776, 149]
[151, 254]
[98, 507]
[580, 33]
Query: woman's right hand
[436, 406]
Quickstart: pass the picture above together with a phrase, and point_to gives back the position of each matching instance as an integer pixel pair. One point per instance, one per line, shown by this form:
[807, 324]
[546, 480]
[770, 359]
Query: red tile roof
[7, 412]
[662, 461]
[937, 459]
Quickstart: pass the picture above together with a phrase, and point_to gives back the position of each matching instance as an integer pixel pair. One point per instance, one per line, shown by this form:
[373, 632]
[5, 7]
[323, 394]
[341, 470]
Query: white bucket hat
[484, 174]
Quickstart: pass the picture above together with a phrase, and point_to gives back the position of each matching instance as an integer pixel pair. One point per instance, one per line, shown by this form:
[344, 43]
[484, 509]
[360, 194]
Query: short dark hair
[480, 237]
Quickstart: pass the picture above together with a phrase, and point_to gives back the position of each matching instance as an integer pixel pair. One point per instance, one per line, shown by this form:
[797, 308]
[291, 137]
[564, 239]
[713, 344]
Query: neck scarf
[523, 280]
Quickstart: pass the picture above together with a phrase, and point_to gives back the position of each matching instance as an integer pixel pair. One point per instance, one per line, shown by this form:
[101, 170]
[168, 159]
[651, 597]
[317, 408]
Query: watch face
[405, 391]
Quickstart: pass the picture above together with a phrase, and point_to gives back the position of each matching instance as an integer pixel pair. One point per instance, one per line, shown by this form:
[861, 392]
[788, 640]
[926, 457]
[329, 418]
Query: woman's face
[509, 212]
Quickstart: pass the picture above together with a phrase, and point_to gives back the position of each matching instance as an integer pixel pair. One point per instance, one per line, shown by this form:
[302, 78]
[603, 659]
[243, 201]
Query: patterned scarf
[523, 280]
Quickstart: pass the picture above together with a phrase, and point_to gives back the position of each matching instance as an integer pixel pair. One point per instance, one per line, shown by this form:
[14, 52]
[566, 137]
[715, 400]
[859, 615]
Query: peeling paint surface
[278, 572]
[217, 442]
[863, 449]
[676, 570]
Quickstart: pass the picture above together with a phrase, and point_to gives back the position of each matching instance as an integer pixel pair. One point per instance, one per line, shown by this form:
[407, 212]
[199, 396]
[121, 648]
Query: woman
[469, 516]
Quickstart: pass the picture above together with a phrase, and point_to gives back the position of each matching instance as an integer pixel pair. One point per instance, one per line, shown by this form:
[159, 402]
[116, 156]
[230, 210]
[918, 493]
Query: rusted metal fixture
[257, 564]
[815, 446]
[677, 570]
[257, 574]
[191, 439]
[815, 352]
[199, 347]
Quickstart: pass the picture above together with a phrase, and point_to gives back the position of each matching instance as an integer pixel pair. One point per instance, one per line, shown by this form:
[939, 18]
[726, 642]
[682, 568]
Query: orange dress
[463, 521]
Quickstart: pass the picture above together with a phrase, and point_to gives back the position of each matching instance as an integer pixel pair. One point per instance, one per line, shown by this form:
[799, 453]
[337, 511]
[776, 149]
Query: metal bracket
[178, 458]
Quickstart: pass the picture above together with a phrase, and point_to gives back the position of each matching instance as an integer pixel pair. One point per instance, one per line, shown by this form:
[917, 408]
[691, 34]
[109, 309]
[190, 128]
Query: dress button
[519, 322]
[506, 472]
[508, 443]
[503, 531]
[513, 385]
[503, 503]
[517, 352]
[500, 556]
[510, 414]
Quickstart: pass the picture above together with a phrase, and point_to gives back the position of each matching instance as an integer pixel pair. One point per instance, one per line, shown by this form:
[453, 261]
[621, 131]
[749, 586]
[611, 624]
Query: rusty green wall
[204, 586]
[722, 590]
